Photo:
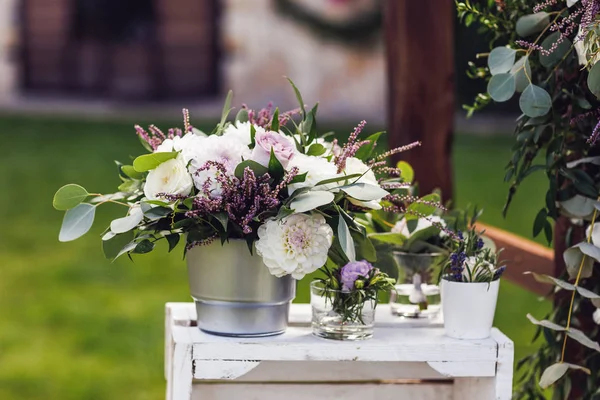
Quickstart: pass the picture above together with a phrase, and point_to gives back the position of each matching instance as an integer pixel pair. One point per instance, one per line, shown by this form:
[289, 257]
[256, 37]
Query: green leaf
[527, 25]
[275, 120]
[389, 237]
[502, 87]
[299, 178]
[573, 257]
[276, 170]
[522, 73]
[546, 324]
[299, 97]
[345, 239]
[148, 162]
[556, 371]
[143, 247]
[551, 280]
[226, 108]
[77, 222]
[583, 339]
[535, 101]
[131, 172]
[540, 221]
[556, 55]
[593, 80]
[406, 171]
[258, 169]
[223, 219]
[130, 186]
[316, 149]
[364, 191]
[113, 246]
[310, 200]
[501, 60]
[173, 239]
[419, 209]
[69, 196]
[155, 213]
[242, 115]
[365, 152]
[127, 223]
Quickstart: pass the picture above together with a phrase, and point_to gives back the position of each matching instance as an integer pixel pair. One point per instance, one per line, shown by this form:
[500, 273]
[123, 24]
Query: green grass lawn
[74, 326]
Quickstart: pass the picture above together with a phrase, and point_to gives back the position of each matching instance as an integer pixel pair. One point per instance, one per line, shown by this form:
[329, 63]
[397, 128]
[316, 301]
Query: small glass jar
[417, 295]
[328, 320]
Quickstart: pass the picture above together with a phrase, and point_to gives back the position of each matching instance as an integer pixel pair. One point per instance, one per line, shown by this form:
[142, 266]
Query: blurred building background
[193, 51]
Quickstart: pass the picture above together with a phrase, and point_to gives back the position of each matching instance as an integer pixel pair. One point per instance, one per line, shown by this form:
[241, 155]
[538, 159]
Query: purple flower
[352, 271]
[269, 141]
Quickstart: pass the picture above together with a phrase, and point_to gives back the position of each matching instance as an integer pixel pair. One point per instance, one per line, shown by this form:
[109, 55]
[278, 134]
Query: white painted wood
[301, 363]
[323, 392]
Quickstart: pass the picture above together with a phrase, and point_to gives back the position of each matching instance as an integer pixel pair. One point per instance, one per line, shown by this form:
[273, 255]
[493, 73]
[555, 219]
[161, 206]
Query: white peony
[596, 316]
[422, 223]
[482, 268]
[296, 245]
[356, 166]
[240, 132]
[170, 177]
[317, 169]
[224, 150]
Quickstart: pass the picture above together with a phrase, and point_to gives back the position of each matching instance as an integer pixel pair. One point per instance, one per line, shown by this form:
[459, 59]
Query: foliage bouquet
[344, 302]
[470, 287]
[266, 178]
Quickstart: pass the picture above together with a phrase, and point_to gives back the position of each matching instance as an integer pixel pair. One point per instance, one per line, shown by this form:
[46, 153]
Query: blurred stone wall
[262, 45]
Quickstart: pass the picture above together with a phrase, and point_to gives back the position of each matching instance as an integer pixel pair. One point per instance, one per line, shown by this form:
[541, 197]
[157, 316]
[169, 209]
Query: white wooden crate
[402, 361]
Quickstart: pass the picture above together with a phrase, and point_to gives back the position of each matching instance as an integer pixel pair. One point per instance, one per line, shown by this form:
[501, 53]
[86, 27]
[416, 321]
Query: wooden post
[419, 37]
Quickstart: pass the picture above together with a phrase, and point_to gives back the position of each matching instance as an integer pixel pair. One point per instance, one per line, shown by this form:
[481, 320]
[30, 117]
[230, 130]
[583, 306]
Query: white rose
[240, 132]
[316, 168]
[356, 166]
[188, 145]
[296, 245]
[170, 177]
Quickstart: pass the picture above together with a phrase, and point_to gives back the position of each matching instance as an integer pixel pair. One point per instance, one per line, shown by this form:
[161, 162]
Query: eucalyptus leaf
[364, 191]
[585, 160]
[69, 196]
[131, 172]
[501, 60]
[555, 55]
[143, 247]
[535, 101]
[552, 280]
[502, 87]
[574, 259]
[77, 222]
[587, 293]
[533, 23]
[579, 206]
[310, 200]
[546, 324]
[127, 223]
[593, 80]
[242, 115]
[148, 162]
[345, 239]
[316, 149]
[583, 339]
[522, 73]
[556, 371]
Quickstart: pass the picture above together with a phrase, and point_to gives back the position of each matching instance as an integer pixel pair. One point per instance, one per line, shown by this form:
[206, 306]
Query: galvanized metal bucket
[234, 292]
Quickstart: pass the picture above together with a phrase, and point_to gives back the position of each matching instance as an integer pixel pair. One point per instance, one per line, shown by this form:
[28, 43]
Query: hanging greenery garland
[360, 30]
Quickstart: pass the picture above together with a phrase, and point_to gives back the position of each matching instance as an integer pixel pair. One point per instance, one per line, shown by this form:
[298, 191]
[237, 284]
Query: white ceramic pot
[469, 308]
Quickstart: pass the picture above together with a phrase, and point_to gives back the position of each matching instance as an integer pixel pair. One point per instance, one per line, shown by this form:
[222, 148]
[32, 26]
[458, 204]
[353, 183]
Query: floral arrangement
[349, 287]
[471, 260]
[267, 177]
[551, 62]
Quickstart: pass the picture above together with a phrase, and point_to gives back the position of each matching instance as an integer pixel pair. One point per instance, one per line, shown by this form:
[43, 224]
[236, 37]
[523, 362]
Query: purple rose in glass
[352, 271]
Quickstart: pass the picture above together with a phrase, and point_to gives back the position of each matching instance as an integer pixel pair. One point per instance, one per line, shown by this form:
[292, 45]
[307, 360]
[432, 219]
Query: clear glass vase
[417, 294]
[329, 321]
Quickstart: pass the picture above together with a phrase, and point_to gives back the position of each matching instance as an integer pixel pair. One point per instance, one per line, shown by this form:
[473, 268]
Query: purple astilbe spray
[246, 200]
[350, 272]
